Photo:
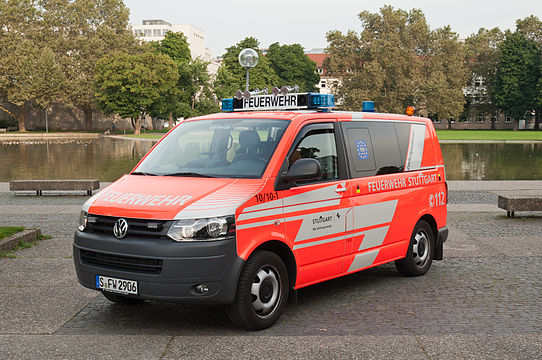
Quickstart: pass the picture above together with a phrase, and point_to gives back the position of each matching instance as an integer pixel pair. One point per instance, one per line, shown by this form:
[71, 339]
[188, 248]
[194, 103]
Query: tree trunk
[88, 117]
[137, 125]
[171, 122]
[537, 119]
[21, 115]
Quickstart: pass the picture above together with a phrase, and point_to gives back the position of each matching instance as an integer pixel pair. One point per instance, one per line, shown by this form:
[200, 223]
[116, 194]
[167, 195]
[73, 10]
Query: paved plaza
[484, 301]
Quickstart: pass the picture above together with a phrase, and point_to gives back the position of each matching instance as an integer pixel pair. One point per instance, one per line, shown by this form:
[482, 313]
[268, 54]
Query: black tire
[420, 251]
[260, 311]
[121, 299]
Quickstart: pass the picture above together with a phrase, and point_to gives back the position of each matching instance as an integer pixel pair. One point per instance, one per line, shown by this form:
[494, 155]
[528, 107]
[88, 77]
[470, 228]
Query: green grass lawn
[6, 231]
[145, 136]
[489, 135]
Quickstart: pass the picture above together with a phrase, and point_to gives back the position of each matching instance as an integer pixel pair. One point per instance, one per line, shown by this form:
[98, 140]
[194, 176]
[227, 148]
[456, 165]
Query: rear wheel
[262, 292]
[420, 251]
[121, 299]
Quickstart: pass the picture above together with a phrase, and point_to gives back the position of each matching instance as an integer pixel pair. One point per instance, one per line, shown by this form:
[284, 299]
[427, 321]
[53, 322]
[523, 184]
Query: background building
[156, 29]
[328, 82]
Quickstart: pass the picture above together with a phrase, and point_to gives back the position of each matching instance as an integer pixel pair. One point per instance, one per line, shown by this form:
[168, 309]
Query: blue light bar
[227, 104]
[321, 100]
[368, 106]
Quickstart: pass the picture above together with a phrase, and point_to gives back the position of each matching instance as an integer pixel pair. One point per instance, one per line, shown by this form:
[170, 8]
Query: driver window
[319, 145]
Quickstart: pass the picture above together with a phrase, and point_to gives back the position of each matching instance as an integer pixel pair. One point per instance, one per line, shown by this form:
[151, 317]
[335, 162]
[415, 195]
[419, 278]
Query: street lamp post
[248, 58]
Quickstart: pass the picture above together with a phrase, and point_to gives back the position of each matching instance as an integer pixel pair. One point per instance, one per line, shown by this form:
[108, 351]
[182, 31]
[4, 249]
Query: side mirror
[303, 170]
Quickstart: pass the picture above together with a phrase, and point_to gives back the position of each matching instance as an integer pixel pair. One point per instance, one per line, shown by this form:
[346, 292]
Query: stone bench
[54, 185]
[520, 200]
[3, 130]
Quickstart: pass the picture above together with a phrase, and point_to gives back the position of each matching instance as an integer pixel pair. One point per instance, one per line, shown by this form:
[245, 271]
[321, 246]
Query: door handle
[339, 190]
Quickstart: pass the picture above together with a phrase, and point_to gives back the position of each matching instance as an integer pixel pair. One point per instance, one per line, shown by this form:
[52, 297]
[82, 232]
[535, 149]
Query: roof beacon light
[248, 94]
[290, 101]
[410, 110]
[289, 89]
[368, 106]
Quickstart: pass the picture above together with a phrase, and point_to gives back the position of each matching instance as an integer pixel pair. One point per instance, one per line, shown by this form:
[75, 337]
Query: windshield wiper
[189, 174]
[142, 173]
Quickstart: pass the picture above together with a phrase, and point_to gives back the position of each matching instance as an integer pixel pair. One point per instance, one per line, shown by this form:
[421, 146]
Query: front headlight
[83, 218]
[216, 228]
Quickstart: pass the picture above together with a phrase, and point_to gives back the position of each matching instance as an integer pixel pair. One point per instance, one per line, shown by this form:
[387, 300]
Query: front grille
[154, 229]
[120, 262]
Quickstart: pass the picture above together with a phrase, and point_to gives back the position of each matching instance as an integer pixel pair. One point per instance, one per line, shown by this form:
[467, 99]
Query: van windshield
[231, 148]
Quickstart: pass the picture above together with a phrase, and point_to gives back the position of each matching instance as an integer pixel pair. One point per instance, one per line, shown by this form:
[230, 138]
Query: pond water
[105, 159]
[109, 158]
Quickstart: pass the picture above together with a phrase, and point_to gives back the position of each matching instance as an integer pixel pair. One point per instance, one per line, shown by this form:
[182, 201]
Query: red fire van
[245, 207]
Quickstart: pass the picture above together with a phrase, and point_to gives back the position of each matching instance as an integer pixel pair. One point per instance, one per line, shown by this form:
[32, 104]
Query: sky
[306, 22]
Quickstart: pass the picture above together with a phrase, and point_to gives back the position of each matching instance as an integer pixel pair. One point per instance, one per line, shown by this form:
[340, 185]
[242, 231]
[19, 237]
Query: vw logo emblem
[120, 228]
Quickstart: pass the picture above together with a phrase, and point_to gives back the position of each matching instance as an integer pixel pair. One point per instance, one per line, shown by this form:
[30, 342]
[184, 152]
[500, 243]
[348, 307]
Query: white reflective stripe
[288, 209]
[374, 214]
[319, 242]
[259, 214]
[256, 224]
[268, 222]
[363, 260]
[327, 192]
[207, 213]
[93, 198]
[223, 202]
[374, 238]
[415, 147]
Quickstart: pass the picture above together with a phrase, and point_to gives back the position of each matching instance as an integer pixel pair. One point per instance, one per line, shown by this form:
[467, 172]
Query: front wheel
[262, 292]
[420, 251]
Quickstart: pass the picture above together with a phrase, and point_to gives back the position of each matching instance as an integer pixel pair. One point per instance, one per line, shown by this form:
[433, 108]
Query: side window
[403, 136]
[319, 145]
[386, 147]
[373, 148]
[360, 146]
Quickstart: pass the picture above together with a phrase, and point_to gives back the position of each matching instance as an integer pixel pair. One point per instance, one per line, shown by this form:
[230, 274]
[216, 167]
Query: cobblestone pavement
[483, 301]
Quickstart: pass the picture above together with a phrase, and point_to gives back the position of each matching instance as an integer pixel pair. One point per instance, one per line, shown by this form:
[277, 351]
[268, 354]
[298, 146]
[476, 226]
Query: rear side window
[374, 148]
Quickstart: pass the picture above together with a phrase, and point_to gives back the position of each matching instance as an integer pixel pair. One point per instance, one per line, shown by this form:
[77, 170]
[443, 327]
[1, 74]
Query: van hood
[168, 198]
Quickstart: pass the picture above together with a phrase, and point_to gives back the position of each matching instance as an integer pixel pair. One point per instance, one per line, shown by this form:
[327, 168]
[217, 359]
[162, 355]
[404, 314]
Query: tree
[193, 95]
[518, 75]
[398, 61]
[202, 99]
[82, 32]
[129, 85]
[482, 59]
[225, 83]
[293, 67]
[29, 71]
[260, 76]
[531, 28]
[384, 62]
[446, 76]
[175, 105]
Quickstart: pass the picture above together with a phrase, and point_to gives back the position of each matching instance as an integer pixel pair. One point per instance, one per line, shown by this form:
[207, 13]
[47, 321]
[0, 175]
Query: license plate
[120, 286]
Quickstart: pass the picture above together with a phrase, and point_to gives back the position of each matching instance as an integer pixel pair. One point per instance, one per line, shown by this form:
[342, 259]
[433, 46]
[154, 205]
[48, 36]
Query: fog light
[201, 289]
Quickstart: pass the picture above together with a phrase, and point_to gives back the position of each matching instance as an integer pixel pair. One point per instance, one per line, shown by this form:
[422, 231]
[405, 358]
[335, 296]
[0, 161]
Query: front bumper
[165, 270]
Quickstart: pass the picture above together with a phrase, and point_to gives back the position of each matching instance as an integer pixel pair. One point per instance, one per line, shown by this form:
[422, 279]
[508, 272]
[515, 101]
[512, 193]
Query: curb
[10, 242]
